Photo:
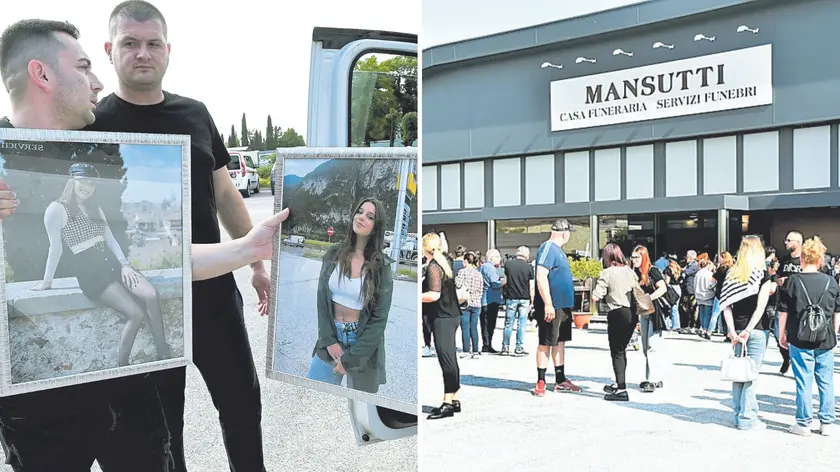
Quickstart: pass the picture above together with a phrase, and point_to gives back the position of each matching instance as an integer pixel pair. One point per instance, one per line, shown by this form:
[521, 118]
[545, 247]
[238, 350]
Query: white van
[243, 171]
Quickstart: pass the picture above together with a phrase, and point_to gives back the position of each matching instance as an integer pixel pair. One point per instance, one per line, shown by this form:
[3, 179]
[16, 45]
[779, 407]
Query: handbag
[644, 305]
[463, 295]
[739, 369]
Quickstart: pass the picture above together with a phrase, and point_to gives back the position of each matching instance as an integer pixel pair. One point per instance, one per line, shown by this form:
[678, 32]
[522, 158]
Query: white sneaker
[825, 429]
[800, 430]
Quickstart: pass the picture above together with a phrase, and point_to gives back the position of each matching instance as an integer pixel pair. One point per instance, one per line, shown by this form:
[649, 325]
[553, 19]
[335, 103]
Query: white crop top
[348, 292]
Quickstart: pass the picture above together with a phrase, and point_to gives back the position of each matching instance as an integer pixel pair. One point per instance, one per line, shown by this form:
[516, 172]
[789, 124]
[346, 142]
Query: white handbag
[736, 368]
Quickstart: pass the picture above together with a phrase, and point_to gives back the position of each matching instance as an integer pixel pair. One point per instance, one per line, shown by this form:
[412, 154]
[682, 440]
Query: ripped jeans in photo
[321, 370]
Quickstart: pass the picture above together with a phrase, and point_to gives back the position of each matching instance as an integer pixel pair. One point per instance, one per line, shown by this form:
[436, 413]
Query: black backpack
[813, 322]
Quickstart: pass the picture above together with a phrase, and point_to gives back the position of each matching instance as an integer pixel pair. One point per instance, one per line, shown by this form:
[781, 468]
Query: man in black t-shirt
[519, 296]
[139, 50]
[117, 422]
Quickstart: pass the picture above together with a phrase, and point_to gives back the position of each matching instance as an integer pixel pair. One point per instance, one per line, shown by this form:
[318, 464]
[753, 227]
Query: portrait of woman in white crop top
[77, 230]
[354, 297]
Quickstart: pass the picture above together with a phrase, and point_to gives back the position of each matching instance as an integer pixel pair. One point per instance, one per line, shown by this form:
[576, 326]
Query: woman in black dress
[441, 302]
[76, 222]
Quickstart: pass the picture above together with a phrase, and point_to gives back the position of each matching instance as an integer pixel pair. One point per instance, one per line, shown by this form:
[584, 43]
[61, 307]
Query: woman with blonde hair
[743, 299]
[808, 322]
[441, 299]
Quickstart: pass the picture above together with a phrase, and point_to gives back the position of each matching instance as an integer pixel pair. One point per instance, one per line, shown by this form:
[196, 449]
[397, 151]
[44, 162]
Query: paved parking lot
[302, 430]
[685, 426]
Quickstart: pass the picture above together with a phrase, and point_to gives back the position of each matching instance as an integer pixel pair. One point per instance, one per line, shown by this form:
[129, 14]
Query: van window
[234, 162]
[383, 101]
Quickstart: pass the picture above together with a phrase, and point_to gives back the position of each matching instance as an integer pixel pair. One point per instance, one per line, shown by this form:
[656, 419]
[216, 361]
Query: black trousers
[487, 319]
[444, 332]
[128, 434]
[620, 325]
[427, 331]
[222, 353]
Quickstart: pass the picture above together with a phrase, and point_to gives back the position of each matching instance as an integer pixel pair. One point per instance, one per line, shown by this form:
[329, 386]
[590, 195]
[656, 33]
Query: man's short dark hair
[460, 250]
[137, 10]
[26, 40]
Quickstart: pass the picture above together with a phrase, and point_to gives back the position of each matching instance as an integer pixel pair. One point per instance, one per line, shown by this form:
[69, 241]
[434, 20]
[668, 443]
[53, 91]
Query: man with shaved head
[139, 49]
[117, 422]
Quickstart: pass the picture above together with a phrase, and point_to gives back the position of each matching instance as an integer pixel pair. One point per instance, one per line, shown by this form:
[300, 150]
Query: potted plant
[585, 272]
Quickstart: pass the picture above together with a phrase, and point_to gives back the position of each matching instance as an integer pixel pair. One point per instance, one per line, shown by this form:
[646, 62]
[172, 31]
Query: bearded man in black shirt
[117, 422]
[139, 51]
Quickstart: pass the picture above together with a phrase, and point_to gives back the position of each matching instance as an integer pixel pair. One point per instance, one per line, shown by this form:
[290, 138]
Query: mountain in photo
[327, 196]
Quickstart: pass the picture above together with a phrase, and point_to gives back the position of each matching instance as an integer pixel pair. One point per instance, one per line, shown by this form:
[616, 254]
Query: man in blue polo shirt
[553, 303]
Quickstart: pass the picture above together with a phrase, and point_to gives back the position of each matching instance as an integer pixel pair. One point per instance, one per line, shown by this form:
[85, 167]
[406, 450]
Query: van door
[351, 74]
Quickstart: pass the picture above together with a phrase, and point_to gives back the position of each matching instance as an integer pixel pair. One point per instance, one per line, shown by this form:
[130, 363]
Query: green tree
[409, 128]
[233, 141]
[270, 137]
[245, 141]
[290, 138]
[256, 140]
[381, 94]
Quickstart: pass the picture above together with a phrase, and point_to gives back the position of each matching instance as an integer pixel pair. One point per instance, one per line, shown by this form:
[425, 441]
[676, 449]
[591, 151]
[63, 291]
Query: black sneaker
[621, 396]
[610, 388]
[785, 366]
[520, 352]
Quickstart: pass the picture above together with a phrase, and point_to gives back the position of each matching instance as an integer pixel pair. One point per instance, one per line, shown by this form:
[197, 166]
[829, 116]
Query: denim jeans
[743, 394]
[675, 310]
[714, 316]
[705, 314]
[469, 328]
[808, 364]
[516, 309]
[651, 340]
[323, 371]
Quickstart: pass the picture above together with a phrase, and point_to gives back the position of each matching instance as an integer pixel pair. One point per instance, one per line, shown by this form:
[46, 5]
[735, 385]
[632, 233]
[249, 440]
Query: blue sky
[153, 171]
[301, 167]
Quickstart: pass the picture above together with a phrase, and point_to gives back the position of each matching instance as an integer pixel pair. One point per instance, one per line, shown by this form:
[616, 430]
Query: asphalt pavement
[303, 430]
[686, 426]
[297, 328]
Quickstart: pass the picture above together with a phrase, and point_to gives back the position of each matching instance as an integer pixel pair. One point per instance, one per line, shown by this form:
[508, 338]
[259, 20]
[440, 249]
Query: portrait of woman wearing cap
[76, 227]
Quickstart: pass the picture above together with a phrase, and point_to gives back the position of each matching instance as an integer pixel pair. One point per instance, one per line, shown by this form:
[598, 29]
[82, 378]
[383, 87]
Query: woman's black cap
[83, 169]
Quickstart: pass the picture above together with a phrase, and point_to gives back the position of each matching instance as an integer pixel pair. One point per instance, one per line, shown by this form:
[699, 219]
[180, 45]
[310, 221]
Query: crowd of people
[745, 298]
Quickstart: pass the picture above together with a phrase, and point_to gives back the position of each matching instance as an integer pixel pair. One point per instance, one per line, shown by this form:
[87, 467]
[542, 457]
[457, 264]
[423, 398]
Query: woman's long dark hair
[613, 256]
[374, 258]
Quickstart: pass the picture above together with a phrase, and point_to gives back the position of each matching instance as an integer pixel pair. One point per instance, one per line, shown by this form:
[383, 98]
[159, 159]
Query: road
[297, 328]
[685, 426]
[303, 430]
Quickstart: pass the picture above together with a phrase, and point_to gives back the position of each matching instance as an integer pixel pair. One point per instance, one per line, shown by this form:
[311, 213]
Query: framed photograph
[344, 275]
[96, 256]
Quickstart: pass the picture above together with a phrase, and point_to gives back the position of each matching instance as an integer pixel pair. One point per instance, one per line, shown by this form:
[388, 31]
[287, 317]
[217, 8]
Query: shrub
[582, 270]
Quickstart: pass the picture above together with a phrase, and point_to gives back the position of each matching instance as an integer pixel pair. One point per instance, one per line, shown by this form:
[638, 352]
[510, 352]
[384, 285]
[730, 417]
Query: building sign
[717, 82]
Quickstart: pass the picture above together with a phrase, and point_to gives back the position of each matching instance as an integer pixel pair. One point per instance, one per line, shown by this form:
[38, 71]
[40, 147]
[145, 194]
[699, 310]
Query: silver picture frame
[406, 399]
[9, 385]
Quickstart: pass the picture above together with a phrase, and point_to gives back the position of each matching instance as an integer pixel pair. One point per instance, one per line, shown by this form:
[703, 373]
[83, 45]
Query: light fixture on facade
[744, 28]
[701, 37]
[619, 52]
[546, 65]
[583, 59]
[660, 44]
